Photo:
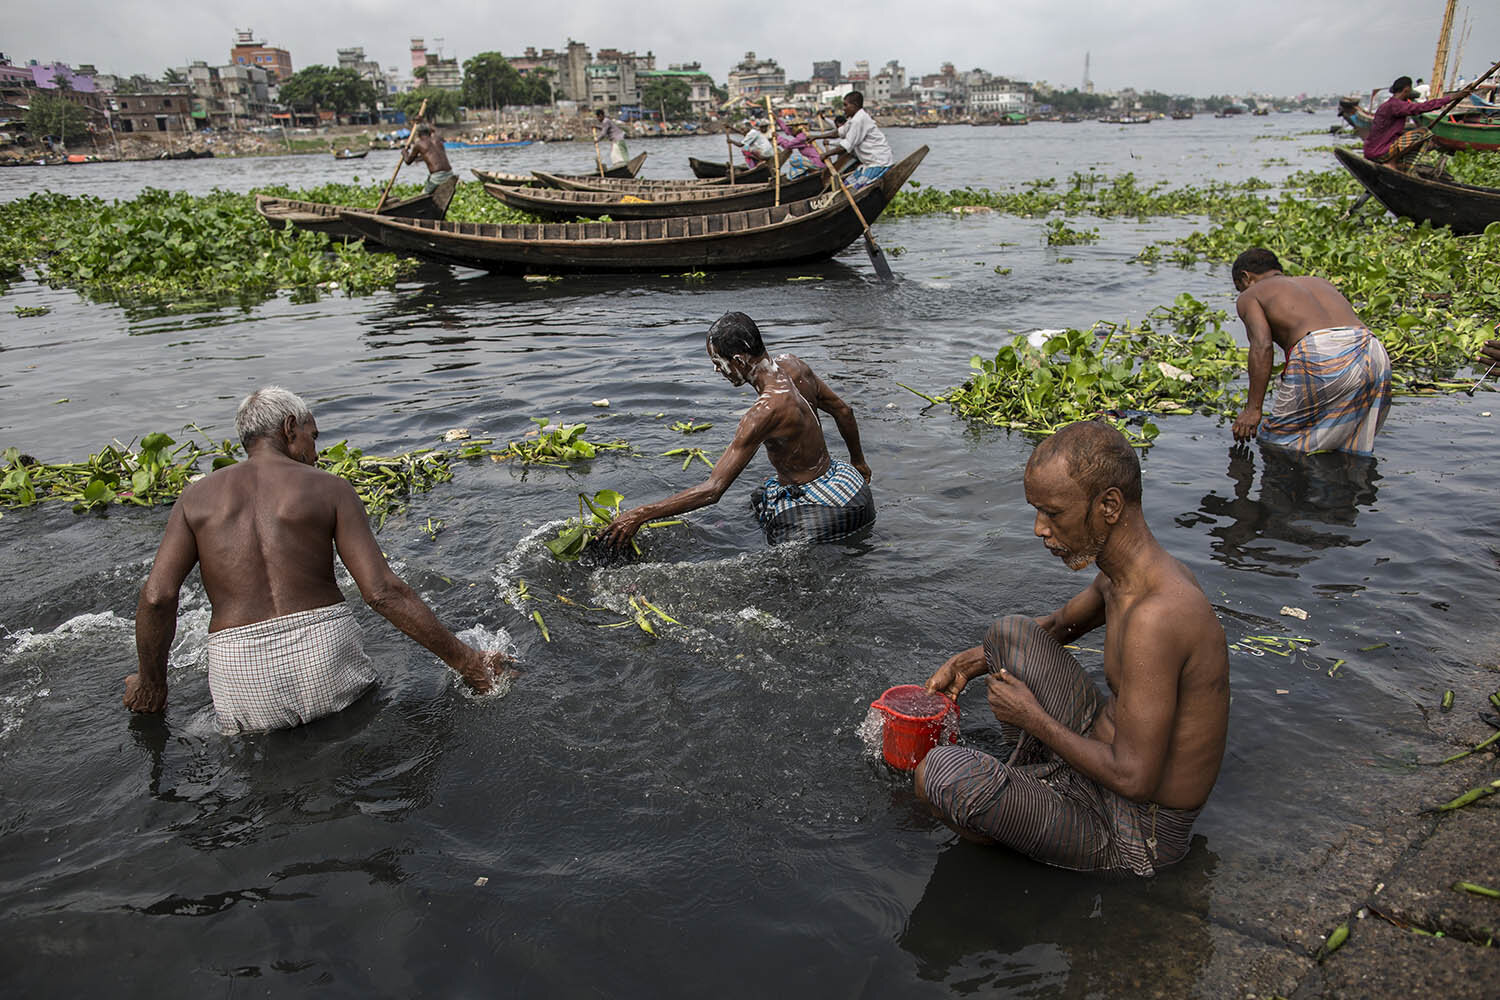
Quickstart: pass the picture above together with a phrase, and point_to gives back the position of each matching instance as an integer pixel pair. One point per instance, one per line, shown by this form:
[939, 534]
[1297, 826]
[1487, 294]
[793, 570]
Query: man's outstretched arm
[1258, 330]
[390, 596]
[156, 614]
[752, 430]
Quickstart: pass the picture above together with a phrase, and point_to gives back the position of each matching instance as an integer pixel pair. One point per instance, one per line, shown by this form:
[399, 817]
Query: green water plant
[554, 444]
[688, 427]
[594, 515]
[688, 454]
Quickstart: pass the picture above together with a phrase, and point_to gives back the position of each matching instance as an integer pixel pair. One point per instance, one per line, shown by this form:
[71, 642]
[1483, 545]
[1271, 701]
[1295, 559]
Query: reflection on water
[1309, 502]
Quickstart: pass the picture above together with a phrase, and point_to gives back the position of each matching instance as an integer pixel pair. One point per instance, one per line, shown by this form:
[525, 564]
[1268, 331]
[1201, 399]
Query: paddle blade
[878, 261]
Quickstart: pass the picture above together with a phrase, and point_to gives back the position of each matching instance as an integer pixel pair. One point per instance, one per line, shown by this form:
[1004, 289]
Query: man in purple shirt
[1387, 142]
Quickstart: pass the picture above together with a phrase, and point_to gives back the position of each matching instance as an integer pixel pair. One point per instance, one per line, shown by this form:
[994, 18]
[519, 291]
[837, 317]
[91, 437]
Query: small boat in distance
[349, 154]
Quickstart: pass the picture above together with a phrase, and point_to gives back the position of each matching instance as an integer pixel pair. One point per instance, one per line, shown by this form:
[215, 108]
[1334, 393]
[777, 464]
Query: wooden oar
[775, 149]
[598, 160]
[410, 137]
[729, 145]
[877, 256]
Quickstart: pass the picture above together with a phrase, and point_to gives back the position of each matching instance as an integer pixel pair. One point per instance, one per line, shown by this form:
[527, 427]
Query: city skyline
[1170, 46]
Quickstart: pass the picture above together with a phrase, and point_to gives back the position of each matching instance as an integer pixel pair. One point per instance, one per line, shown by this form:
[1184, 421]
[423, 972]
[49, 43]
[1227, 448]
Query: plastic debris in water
[456, 434]
[602, 402]
[1294, 613]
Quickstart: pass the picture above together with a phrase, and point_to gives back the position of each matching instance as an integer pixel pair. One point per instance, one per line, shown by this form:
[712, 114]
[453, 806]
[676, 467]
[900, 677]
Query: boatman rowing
[612, 132]
[1390, 141]
[283, 647]
[1335, 388]
[428, 147]
[1094, 782]
[860, 136]
[812, 496]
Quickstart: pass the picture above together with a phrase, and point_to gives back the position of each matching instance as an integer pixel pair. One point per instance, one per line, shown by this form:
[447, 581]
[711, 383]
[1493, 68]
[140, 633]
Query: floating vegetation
[28, 311]
[1058, 234]
[594, 515]
[688, 427]
[688, 455]
[559, 445]
[158, 469]
[1178, 360]
[1080, 194]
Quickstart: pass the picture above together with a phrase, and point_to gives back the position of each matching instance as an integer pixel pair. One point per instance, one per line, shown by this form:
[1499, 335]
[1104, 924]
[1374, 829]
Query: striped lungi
[1035, 803]
[286, 671]
[865, 175]
[1333, 395]
[835, 504]
[1403, 150]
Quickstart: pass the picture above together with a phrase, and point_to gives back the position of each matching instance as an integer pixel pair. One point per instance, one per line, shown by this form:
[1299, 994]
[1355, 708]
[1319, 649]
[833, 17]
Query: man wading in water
[1335, 388]
[283, 647]
[1094, 783]
[812, 495]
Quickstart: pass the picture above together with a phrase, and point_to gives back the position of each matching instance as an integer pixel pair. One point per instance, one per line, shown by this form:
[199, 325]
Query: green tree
[490, 81]
[317, 87]
[170, 75]
[669, 93]
[53, 115]
[442, 105]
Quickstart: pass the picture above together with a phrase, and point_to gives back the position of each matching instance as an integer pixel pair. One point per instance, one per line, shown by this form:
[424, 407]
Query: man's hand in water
[1246, 423]
[481, 670]
[623, 528]
[1012, 701]
[142, 697]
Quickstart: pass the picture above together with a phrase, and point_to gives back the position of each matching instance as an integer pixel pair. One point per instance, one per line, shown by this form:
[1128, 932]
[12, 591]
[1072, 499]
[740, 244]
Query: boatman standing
[1335, 388]
[428, 147]
[1095, 782]
[1390, 141]
[283, 647]
[610, 131]
[862, 138]
[812, 496]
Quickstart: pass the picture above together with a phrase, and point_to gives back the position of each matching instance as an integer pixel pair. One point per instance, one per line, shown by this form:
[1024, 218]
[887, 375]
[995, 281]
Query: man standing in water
[428, 148]
[1094, 783]
[812, 495]
[283, 647]
[1335, 388]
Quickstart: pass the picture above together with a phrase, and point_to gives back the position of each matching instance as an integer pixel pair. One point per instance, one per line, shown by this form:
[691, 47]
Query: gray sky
[1283, 47]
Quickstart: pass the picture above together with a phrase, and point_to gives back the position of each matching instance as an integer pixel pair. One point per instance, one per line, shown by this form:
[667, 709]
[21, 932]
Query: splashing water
[488, 640]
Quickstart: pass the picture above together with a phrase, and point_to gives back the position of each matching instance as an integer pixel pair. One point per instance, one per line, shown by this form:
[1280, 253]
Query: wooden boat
[625, 171]
[1464, 208]
[628, 185]
[286, 213]
[1481, 132]
[808, 230]
[1181, 116]
[349, 154]
[710, 170]
[550, 203]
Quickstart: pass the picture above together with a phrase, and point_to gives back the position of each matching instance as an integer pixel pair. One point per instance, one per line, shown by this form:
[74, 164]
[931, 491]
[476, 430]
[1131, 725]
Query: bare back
[429, 149]
[264, 531]
[1295, 307]
[1169, 619]
[793, 436]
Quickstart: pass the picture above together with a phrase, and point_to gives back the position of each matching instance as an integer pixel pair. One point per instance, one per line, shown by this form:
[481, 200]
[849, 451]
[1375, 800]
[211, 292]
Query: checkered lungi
[1403, 150]
[1333, 395]
[1035, 803]
[286, 671]
[864, 176]
[837, 503]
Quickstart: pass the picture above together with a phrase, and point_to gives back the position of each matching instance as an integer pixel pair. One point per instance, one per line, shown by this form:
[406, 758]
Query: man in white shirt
[862, 138]
[1421, 90]
[757, 144]
[610, 131]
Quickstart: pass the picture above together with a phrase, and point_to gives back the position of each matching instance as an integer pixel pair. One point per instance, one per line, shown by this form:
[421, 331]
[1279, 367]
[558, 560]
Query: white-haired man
[283, 647]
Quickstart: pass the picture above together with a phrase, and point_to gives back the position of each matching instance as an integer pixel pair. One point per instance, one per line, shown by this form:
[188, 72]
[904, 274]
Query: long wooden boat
[1464, 133]
[287, 213]
[630, 185]
[711, 169]
[1464, 208]
[624, 171]
[550, 203]
[808, 230]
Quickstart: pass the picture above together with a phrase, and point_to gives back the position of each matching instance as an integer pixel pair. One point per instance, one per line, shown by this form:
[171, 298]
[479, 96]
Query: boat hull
[562, 206]
[1451, 134]
[287, 213]
[1464, 208]
[807, 230]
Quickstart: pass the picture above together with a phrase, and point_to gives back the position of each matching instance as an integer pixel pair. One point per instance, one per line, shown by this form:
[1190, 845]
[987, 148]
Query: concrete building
[999, 96]
[353, 58]
[754, 78]
[153, 112]
[829, 73]
[444, 74]
[246, 51]
[860, 74]
[701, 101]
[612, 78]
[567, 68]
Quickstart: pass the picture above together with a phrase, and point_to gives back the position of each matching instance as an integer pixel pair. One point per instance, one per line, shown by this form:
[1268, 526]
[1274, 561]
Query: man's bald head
[1096, 457]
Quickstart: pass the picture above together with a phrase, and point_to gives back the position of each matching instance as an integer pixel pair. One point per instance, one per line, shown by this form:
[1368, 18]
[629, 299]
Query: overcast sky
[1199, 47]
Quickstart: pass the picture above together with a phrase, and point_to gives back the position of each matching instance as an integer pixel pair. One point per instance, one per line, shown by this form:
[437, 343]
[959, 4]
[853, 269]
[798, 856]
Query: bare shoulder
[1175, 614]
[792, 365]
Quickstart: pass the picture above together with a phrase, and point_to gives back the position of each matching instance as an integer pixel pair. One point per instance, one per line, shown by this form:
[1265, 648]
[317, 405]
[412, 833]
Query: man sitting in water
[860, 136]
[812, 495]
[1389, 140]
[1093, 783]
[428, 148]
[283, 647]
[1335, 388]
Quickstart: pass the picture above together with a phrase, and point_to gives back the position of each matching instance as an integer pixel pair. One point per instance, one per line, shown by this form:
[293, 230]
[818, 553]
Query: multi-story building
[754, 78]
[568, 70]
[829, 72]
[153, 112]
[700, 85]
[246, 51]
[444, 74]
[1000, 96]
[612, 78]
[353, 58]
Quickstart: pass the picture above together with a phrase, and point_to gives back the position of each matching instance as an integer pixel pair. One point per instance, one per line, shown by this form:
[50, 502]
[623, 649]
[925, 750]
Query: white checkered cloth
[287, 671]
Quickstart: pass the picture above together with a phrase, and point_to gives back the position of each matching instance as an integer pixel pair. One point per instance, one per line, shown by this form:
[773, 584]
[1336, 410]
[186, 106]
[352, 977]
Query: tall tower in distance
[1088, 85]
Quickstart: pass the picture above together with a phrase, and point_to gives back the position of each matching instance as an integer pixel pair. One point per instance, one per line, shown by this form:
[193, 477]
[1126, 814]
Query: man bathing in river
[812, 495]
[428, 148]
[1335, 388]
[283, 648]
[1093, 783]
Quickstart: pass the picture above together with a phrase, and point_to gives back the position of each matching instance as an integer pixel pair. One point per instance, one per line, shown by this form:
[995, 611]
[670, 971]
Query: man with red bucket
[1094, 783]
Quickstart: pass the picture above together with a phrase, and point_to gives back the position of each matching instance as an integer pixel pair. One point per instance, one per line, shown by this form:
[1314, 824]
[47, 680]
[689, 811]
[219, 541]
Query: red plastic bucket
[914, 723]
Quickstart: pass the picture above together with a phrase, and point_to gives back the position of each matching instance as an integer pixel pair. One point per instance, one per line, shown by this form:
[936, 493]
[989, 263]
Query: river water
[695, 812]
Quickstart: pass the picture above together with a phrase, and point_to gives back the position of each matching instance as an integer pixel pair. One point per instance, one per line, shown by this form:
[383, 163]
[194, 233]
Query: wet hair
[1402, 82]
[264, 411]
[855, 98]
[735, 333]
[1256, 260]
[1097, 457]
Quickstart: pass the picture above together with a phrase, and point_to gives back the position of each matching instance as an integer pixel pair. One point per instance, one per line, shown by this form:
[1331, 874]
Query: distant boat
[1181, 116]
[1261, 111]
[349, 154]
